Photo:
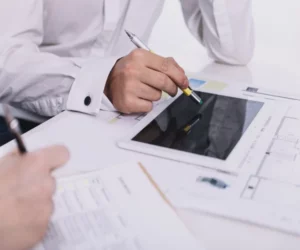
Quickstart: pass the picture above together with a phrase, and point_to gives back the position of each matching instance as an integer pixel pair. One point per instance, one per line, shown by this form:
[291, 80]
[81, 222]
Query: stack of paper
[117, 208]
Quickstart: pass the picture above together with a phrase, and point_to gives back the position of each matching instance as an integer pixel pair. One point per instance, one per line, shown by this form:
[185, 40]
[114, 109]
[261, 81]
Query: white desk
[92, 146]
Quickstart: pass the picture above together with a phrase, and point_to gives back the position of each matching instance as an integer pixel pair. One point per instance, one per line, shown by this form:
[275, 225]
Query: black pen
[14, 128]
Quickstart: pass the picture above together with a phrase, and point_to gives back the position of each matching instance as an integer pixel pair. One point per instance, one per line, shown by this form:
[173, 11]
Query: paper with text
[267, 190]
[114, 209]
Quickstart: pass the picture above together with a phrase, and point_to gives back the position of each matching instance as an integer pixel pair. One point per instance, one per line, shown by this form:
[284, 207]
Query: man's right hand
[26, 189]
[137, 80]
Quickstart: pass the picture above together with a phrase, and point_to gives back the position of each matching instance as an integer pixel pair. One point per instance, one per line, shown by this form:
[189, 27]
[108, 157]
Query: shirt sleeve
[224, 27]
[43, 82]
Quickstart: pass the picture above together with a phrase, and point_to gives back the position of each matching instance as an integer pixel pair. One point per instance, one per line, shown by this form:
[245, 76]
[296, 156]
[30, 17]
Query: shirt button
[87, 101]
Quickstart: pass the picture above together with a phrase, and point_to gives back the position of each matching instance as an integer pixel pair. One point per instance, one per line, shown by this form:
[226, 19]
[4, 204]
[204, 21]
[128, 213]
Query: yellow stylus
[138, 43]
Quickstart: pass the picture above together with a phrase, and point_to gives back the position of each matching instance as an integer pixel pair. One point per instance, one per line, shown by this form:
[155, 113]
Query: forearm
[224, 27]
[32, 80]
[43, 82]
[47, 84]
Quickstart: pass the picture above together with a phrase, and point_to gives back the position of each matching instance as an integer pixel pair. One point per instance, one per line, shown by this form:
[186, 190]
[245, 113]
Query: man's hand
[26, 189]
[139, 79]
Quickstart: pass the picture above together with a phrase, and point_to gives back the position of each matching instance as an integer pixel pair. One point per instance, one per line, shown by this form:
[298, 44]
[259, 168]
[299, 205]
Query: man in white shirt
[60, 55]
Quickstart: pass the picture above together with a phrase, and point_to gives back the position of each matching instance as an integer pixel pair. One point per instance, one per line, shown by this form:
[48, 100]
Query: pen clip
[12, 123]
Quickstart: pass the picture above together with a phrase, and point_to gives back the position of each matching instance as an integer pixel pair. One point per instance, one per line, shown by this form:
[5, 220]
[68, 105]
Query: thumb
[54, 156]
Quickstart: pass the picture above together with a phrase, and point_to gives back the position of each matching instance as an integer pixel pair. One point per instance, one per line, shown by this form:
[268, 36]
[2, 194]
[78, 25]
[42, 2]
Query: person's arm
[224, 27]
[42, 82]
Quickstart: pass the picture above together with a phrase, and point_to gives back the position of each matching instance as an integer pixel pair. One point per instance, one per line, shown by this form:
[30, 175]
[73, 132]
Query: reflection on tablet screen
[212, 129]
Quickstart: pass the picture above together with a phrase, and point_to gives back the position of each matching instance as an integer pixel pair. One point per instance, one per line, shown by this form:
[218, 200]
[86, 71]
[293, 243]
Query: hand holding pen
[186, 90]
[138, 79]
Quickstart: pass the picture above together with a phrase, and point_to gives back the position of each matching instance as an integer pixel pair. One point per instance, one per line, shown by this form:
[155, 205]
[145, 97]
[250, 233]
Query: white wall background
[277, 31]
[277, 35]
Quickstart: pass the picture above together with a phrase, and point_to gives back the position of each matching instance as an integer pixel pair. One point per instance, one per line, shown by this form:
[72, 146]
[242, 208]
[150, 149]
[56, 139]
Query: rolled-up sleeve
[43, 82]
[224, 27]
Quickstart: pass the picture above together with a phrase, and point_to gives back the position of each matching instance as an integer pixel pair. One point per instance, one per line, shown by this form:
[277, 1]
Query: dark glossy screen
[212, 129]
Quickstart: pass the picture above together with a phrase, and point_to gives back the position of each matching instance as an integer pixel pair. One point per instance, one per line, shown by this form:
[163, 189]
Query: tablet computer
[217, 134]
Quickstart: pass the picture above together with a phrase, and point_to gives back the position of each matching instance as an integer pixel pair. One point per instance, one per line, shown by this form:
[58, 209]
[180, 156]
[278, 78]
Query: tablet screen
[212, 129]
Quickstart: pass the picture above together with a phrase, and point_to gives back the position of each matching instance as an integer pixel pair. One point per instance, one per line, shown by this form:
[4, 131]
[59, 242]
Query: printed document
[116, 208]
[268, 189]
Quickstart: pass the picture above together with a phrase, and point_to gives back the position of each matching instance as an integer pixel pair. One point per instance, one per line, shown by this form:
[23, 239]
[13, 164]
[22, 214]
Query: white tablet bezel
[231, 164]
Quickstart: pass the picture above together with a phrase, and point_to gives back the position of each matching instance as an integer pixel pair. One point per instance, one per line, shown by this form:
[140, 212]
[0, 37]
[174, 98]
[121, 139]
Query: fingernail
[186, 83]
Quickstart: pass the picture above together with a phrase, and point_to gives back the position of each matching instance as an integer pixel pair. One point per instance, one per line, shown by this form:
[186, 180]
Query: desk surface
[92, 146]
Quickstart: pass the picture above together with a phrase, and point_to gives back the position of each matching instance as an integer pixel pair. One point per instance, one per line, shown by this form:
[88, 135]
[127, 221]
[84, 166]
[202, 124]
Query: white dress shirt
[56, 53]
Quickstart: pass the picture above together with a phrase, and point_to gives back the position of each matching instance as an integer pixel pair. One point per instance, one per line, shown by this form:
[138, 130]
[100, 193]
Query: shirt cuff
[107, 105]
[87, 90]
